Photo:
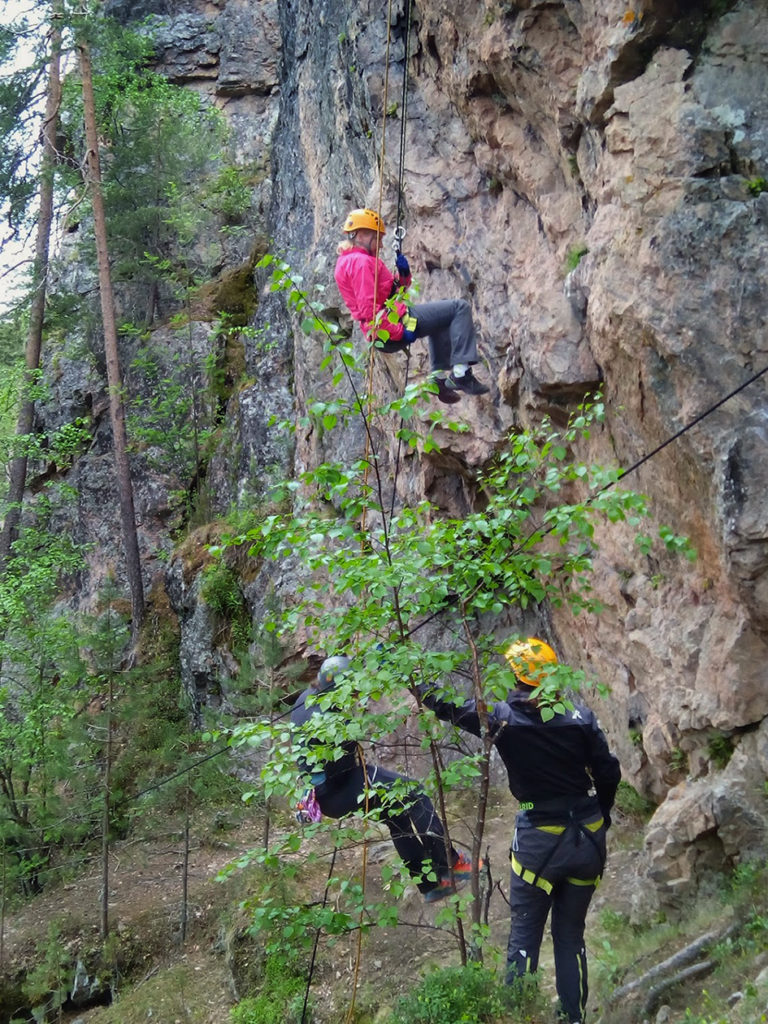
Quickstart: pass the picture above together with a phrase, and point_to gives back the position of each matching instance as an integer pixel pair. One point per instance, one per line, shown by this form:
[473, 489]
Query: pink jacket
[355, 275]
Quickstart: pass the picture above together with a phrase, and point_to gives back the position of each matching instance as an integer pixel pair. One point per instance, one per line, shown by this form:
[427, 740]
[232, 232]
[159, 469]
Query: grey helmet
[331, 668]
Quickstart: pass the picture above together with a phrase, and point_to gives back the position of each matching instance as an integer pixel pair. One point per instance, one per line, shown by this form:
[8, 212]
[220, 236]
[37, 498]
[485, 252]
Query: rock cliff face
[631, 133]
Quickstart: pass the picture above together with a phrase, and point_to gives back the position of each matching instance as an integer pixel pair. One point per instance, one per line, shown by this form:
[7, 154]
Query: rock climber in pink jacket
[367, 286]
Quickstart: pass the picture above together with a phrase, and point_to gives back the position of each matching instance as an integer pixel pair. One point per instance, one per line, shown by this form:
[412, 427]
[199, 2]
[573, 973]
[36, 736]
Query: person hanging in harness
[447, 324]
[344, 782]
[565, 777]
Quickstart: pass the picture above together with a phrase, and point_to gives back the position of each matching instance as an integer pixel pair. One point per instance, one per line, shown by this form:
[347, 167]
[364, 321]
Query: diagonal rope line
[451, 599]
[688, 426]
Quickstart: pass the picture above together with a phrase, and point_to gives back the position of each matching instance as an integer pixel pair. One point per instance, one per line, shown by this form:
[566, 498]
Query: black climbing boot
[469, 384]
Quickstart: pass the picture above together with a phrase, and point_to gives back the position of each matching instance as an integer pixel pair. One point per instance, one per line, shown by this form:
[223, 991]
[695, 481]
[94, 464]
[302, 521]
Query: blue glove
[402, 265]
[409, 327]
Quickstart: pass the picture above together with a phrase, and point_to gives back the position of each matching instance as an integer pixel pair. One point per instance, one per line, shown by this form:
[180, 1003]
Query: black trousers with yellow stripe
[555, 868]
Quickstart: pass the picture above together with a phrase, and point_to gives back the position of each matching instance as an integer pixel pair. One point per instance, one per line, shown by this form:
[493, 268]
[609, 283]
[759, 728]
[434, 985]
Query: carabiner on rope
[399, 235]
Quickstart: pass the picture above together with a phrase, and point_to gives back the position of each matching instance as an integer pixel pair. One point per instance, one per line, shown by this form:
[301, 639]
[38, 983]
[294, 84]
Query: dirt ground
[192, 982]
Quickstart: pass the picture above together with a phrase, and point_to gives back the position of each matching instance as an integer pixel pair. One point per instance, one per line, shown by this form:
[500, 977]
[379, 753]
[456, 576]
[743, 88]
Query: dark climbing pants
[554, 868]
[450, 332]
[415, 828]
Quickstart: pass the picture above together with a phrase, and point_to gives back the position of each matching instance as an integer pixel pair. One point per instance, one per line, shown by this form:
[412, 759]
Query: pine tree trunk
[106, 816]
[18, 468]
[114, 381]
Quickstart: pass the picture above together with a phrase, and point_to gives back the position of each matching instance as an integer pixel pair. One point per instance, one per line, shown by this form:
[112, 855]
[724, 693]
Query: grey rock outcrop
[591, 176]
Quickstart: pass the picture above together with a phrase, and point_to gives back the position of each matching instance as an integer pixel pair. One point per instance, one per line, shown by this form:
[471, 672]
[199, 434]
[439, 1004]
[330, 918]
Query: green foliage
[611, 965]
[171, 419]
[757, 185]
[165, 141]
[720, 747]
[462, 995]
[152, 713]
[284, 924]
[748, 878]
[20, 71]
[574, 256]
[228, 194]
[221, 591]
[48, 983]
[40, 682]
[632, 804]
[12, 335]
[281, 997]
[678, 760]
[168, 182]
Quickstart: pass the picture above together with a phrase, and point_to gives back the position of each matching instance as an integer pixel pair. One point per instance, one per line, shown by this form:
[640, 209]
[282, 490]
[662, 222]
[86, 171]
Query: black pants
[554, 868]
[405, 809]
[450, 332]
[449, 329]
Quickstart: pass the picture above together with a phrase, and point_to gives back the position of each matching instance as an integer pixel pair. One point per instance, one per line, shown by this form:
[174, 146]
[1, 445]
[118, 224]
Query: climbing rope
[364, 875]
[451, 599]
[684, 430]
[399, 229]
[374, 310]
[399, 234]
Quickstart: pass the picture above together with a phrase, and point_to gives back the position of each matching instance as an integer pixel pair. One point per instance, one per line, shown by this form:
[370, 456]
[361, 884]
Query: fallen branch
[694, 971]
[678, 960]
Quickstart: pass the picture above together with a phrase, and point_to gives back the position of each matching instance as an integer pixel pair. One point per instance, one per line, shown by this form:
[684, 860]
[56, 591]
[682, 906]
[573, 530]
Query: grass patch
[574, 256]
[471, 995]
[621, 951]
[281, 997]
[632, 804]
[192, 992]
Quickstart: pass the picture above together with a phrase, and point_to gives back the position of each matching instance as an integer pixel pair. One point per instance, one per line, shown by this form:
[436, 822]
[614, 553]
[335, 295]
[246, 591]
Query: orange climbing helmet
[369, 219]
[528, 657]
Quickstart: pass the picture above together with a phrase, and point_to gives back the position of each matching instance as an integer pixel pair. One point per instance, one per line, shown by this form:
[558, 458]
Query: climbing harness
[537, 877]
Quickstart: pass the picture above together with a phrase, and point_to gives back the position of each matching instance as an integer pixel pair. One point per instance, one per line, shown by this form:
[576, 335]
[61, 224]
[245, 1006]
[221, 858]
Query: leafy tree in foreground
[368, 590]
[18, 469]
[109, 324]
[39, 700]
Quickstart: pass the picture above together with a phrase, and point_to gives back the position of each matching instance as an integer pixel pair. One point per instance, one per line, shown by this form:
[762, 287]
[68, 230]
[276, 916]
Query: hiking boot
[445, 888]
[463, 867]
[468, 383]
[446, 394]
[460, 873]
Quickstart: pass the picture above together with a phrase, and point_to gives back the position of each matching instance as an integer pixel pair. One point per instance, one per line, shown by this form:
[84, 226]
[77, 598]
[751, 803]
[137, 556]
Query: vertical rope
[382, 157]
[313, 960]
[400, 194]
[359, 950]
[403, 115]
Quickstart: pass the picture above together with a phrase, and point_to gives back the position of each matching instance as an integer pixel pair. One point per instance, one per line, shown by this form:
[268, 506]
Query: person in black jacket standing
[565, 777]
[345, 783]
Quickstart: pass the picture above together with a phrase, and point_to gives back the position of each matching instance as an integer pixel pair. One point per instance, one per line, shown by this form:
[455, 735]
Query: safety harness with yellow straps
[536, 877]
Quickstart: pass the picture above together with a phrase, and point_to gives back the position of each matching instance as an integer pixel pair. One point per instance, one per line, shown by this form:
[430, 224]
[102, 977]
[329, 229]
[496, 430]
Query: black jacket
[300, 715]
[560, 760]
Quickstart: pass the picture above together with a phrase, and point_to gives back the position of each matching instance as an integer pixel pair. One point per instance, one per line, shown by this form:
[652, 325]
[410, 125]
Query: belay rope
[399, 232]
[399, 235]
[399, 227]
